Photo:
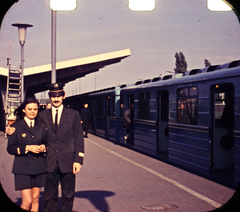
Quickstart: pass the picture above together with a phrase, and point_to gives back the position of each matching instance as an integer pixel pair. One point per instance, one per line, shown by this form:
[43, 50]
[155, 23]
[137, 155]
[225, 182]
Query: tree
[207, 63]
[181, 64]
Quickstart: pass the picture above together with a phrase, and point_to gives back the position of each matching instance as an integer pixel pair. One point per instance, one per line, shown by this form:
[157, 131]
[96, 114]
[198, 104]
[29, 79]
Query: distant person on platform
[86, 117]
[65, 150]
[129, 118]
[48, 105]
[29, 144]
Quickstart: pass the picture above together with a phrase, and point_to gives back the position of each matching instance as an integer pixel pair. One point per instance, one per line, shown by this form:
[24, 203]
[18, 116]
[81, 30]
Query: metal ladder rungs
[14, 71]
[18, 78]
[14, 95]
[14, 83]
[14, 89]
[14, 101]
[13, 92]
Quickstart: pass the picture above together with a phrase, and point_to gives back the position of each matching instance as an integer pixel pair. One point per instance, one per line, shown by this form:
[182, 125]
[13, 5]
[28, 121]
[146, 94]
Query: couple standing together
[48, 149]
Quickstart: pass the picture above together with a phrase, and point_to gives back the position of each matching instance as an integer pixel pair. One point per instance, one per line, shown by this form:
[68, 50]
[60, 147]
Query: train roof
[212, 72]
[230, 69]
[105, 91]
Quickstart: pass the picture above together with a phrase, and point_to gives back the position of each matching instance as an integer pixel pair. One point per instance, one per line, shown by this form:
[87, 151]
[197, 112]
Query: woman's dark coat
[27, 162]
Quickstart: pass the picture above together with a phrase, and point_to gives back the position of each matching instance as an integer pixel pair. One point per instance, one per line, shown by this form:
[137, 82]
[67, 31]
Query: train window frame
[144, 99]
[187, 105]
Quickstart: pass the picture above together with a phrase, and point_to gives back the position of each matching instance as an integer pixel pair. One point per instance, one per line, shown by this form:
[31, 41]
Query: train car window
[94, 106]
[187, 105]
[100, 106]
[108, 106]
[182, 92]
[121, 106]
[193, 91]
[224, 105]
[141, 96]
[219, 104]
[113, 107]
[144, 106]
[147, 95]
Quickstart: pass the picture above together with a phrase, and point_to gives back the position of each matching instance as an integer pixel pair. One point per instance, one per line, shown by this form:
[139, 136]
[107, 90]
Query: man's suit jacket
[66, 146]
[85, 115]
[27, 162]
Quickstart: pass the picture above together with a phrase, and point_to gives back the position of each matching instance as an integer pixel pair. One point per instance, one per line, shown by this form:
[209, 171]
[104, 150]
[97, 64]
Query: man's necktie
[56, 120]
[31, 125]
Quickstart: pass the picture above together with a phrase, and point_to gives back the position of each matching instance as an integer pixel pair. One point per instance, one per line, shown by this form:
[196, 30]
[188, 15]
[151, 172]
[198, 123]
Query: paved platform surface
[117, 179]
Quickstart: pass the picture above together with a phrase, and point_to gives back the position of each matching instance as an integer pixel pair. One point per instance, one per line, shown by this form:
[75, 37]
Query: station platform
[117, 179]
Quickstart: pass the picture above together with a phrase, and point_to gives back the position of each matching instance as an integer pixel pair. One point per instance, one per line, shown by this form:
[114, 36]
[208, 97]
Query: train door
[162, 123]
[222, 153]
[107, 119]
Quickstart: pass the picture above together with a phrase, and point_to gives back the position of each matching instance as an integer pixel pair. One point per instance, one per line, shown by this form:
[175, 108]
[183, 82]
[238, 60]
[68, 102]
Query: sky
[98, 27]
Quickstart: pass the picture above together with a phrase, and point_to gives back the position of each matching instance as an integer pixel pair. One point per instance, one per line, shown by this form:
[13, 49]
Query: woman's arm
[44, 145]
[14, 147]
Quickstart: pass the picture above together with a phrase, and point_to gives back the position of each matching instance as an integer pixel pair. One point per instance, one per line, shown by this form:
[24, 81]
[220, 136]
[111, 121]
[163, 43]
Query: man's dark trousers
[67, 182]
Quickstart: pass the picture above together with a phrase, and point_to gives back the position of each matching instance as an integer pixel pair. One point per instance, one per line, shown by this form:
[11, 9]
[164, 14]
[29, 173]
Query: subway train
[191, 119]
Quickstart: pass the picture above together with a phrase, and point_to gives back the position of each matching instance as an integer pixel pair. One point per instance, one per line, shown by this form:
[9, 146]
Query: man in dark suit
[65, 150]
[85, 117]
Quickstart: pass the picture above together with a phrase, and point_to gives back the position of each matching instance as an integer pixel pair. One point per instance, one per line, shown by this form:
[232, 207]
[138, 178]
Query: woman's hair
[19, 111]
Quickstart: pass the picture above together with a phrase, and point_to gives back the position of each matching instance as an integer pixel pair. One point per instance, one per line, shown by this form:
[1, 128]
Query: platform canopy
[36, 78]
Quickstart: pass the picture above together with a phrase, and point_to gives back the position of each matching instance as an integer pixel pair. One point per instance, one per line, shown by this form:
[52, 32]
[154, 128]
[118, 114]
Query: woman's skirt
[23, 181]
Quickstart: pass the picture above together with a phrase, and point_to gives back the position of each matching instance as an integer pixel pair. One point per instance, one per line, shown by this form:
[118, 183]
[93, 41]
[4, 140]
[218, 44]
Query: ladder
[13, 93]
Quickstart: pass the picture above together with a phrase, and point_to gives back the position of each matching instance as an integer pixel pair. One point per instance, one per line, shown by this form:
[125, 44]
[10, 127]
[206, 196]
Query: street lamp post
[56, 5]
[22, 30]
[53, 47]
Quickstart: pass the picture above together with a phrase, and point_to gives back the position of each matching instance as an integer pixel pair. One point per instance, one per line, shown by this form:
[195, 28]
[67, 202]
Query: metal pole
[95, 82]
[79, 85]
[22, 74]
[22, 30]
[53, 58]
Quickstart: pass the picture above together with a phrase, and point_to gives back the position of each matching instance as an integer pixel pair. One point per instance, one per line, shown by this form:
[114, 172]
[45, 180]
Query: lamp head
[22, 30]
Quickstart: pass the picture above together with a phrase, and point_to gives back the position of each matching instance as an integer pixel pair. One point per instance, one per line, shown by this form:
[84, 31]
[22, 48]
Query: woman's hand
[34, 148]
[42, 148]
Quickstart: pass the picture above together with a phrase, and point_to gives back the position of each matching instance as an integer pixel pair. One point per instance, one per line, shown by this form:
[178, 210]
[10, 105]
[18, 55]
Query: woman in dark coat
[28, 143]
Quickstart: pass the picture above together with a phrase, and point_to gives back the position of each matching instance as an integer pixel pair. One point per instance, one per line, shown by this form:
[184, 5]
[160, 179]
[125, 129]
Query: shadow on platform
[96, 197]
